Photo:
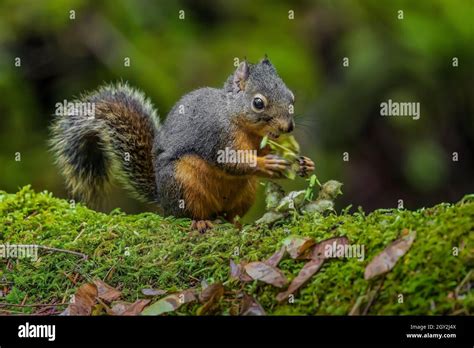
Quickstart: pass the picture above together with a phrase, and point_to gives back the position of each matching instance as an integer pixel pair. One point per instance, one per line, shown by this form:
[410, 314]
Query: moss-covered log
[132, 252]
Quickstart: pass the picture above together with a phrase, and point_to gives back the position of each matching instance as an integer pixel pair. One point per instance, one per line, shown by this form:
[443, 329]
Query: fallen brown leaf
[82, 301]
[170, 303]
[106, 292]
[275, 259]
[250, 306]
[117, 308]
[237, 271]
[308, 270]
[153, 292]
[210, 296]
[318, 251]
[266, 273]
[210, 291]
[126, 308]
[386, 260]
[296, 245]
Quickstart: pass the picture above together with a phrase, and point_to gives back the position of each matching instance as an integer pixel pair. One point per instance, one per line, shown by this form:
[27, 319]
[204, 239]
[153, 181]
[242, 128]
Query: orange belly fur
[209, 191]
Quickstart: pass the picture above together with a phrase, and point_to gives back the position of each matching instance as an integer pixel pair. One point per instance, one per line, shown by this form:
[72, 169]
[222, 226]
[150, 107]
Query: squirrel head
[266, 101]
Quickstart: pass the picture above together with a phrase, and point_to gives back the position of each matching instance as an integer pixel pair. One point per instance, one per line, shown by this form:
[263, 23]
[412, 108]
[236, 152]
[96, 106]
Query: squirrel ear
[265, 60]
[240, 76]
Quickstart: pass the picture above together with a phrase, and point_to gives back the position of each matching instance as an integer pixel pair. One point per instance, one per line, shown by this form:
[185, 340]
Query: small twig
[460, 311]
[107, 308]
[20, 314]
[80, 234]
[31, 215]
[45, 313]
[5, 283]
[71, 278]
[10, 312]
[372, 298]
[84, 256]
[4, 304]
[109, 272]
[356, 308]
[24, 299]
[194, 278]
[65, 294]
[466, 279]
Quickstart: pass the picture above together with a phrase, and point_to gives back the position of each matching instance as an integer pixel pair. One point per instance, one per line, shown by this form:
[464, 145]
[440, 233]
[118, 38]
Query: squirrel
[175, 164]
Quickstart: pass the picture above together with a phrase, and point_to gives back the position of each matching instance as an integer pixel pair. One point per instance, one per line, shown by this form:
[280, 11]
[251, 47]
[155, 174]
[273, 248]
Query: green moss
[133, 252]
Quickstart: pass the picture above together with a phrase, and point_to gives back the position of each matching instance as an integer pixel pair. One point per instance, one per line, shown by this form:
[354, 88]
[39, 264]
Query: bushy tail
[113, 139]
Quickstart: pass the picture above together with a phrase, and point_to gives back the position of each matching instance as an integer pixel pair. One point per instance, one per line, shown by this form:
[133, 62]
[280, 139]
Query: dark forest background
[338, 108]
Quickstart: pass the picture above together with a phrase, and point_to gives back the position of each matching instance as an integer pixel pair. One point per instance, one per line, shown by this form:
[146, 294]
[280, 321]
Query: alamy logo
[37, 331]
[19, 251]
[344, 250]
[393, 108]
[75, 109]
[229, 155]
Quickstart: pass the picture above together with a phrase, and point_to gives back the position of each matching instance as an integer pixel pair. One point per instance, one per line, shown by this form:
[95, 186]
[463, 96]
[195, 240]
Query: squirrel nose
[286, 126]
[291, 126]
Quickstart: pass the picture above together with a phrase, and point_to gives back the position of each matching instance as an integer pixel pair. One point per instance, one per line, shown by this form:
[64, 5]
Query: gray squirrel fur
[90, 152]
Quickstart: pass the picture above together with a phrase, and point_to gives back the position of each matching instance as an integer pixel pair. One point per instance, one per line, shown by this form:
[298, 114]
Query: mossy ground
[132, 252]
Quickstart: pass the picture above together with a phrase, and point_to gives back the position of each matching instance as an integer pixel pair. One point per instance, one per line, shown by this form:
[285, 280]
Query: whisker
[303, 125]
[308, 131]
[308, 124]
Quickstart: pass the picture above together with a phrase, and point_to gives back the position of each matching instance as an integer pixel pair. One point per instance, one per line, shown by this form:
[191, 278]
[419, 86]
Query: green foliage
[133, 252]
[337, 107]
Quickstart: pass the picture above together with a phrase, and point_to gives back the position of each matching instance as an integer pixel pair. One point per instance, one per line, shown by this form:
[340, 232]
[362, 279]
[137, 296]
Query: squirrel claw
[306, 166]
[201, 225]
[274, 166]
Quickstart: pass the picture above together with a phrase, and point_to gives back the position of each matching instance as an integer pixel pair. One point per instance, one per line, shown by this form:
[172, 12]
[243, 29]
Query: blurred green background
[338, 108]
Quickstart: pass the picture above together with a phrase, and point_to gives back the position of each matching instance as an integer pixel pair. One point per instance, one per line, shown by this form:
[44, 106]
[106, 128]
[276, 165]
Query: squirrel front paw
[306, 166]
[201, 225]
[273, 166]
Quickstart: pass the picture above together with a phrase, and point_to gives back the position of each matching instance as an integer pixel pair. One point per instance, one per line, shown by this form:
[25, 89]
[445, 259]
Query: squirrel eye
[258, 103]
